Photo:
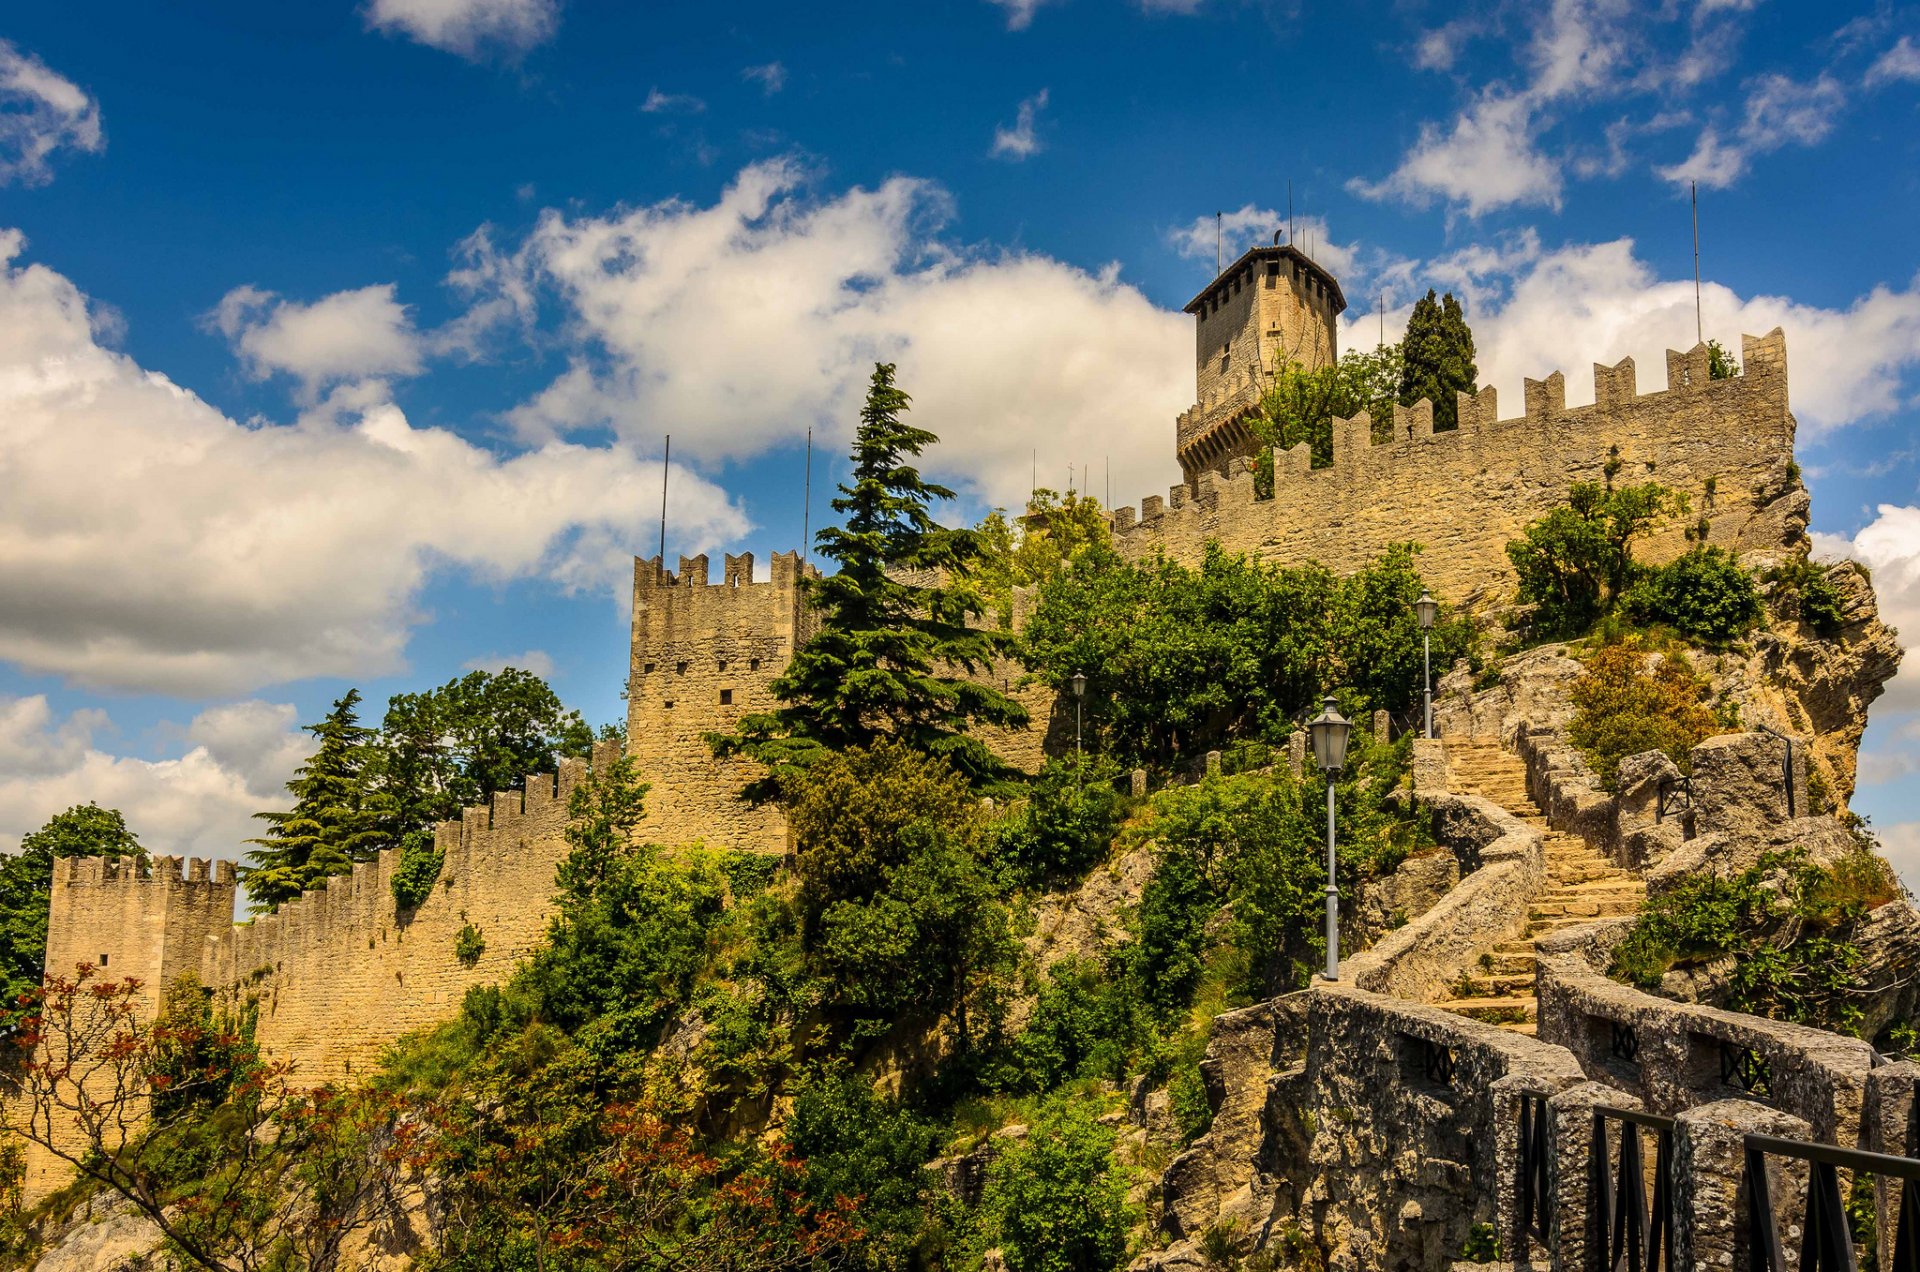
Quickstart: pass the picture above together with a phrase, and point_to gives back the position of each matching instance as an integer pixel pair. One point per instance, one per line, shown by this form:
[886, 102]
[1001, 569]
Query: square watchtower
[1272, 306]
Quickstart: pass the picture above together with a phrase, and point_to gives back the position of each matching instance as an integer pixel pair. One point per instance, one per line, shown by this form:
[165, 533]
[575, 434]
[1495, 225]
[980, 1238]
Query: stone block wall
[342, 972]
[1463, 494]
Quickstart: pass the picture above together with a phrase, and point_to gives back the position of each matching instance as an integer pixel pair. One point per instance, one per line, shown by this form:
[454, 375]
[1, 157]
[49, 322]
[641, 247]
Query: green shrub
[857, 1145]
[1806, 591]
[469, 945]
[1067, 822]
[749, 872]
[1705, 594]
[417, 869]
[1056, 1201]
[1187, 1101]
[1577, 560]
[1624, 707]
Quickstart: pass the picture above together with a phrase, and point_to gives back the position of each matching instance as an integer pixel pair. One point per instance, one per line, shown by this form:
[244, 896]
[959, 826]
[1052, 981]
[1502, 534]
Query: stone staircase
[1581, 886]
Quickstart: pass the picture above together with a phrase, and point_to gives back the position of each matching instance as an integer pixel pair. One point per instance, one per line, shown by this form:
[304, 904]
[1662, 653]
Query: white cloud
[236, 761]
[772, 77]
[1252, 226]
[41, 111]
[736, 326]
[1531, 308]
[1021, 141]
[1900, 845]
[1901, 62]
[659, 103]
[349, 335]
[149, 542]
[1487, 160]
[1779, 112]
[537, 661]
[1889, 545]
[469, 28]
[1020, 12]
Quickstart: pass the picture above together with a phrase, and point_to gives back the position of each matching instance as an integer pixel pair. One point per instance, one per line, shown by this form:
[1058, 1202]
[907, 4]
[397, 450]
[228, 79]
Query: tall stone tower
[1270, 307]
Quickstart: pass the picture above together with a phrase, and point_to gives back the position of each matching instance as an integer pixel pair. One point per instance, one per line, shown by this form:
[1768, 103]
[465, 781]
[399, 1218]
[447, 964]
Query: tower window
[726, 697]
[723, 664]
[646, 669]
[753, 664]
[667, 705]
[680, 668]
[103, 960]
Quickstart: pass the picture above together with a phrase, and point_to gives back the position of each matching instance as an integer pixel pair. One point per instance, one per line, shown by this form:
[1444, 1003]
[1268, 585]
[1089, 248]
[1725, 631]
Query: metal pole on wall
[666, 464]
[1426, 685]
[1698, 330]
[806, 502]
[1333, 894]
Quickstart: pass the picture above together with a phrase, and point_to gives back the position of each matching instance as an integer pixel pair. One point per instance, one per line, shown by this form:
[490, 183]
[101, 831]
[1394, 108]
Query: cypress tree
[329, 826]
[1437, 358]
[893, 621]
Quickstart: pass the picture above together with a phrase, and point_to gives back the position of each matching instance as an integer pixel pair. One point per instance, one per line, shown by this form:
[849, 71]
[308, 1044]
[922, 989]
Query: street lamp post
[1079, 696]
[1329, 732]
[1427, 608]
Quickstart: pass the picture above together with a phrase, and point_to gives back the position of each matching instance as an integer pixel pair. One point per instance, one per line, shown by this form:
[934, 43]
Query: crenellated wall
[1464, 493]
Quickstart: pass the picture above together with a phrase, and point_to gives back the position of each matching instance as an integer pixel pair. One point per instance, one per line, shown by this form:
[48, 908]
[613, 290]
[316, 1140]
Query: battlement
[127, 872]
[650, 575]
[1459, 492]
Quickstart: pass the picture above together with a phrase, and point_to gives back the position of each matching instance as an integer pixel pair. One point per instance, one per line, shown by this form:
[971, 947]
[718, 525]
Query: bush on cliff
[1576, 561]
[1631, 700]
[1073, 808]
[1056, 1201]
[1704, 594]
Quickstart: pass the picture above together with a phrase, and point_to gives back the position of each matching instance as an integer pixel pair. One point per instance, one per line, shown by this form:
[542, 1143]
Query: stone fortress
[340, 973]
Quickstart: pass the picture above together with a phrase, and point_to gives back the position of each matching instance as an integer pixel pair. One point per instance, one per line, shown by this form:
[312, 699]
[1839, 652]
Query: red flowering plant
[237, 1167]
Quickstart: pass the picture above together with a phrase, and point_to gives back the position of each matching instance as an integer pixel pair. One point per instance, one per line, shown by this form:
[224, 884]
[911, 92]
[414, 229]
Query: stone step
[1518, 964]
[1513, 1009]
[1497, 985]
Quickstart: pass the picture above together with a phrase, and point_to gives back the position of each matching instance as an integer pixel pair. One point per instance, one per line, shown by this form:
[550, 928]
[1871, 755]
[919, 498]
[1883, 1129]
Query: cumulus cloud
[469, 28]
[149, 542]
[1901, 62]
[1900, 845]
[1252, 226]
[349, 335]
[1487, 159]
[41, 112]
[772, 77]
[1020, 140]
[736, 326]
[537, 661]
[1779, 112]
[235, 760]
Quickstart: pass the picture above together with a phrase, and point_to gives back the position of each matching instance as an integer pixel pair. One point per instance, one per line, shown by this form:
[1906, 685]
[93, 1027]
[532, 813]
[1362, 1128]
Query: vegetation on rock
[1630, 700]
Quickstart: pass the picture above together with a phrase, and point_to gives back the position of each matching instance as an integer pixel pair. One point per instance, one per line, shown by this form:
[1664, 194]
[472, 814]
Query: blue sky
[340, 339]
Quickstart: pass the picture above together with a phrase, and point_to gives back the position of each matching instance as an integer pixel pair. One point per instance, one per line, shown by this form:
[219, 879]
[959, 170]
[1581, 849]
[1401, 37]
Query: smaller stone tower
[1270, 307]
[151, 921]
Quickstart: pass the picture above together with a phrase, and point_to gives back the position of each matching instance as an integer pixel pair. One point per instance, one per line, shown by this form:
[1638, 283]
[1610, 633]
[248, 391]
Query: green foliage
[860, 1147]
[899, 911]
[469, 943]
[1180, 661]
[1085, 1023]
[1054, 530]
[1575, 561]
[332, 823]
[417, 869]
[453, 747]
[1301, 403]
[1056, 1201]
[1705, 594]
[1482, 1244]
[749, 872]
[1721, 364]
[26, 884]
[1789, 926]
[1437, 358]
[880, 665]
[1805, 591]
[1187, 1102]
[1256, 844]
[1072, 811]
[1624, 706]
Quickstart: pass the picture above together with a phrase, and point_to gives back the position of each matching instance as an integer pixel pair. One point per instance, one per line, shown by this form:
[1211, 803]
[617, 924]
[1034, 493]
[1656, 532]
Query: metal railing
[1536, 1146]
[1633, 1234]
[1825, 1230]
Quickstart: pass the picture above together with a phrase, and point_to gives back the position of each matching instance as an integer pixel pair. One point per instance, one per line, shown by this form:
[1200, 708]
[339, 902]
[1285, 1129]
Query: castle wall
[1463, 494]
[703, 655]
[341, 973]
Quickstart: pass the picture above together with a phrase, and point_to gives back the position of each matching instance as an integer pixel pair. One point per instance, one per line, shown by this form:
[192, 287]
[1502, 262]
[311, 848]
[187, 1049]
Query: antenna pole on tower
[1216, 245]
[1699, 334]
[806, 501]
[1289, 209]
[666, 465]
[1383, 320]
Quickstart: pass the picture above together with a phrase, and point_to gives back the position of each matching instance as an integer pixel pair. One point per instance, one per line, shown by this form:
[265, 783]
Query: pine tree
[329, 827]
[893, 621]
[1437, 358]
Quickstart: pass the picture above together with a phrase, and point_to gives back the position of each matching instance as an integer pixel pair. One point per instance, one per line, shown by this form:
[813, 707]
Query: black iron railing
[1745, 1069]
[1825, 1231]
[1673, 795]
[1632, 1233]
[1536, 1144]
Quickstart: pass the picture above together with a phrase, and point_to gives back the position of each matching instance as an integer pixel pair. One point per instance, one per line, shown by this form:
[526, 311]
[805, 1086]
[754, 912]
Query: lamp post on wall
[1329, 731]
[1428, 609]
[1079, 696]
